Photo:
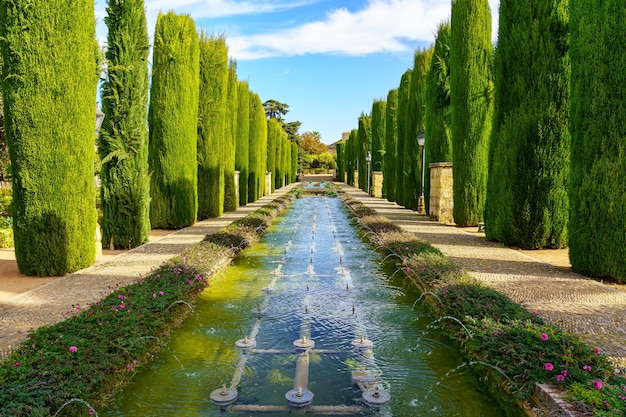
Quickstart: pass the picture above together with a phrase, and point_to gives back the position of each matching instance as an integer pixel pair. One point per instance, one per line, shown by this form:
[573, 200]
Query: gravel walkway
[581, 306]
[51, 302]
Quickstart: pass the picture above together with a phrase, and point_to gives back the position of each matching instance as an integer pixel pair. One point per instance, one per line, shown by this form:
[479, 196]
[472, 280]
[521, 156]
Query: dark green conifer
[242, 145]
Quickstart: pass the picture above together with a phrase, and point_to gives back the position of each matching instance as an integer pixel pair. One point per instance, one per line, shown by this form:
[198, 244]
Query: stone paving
[50, 302]
[584, 307]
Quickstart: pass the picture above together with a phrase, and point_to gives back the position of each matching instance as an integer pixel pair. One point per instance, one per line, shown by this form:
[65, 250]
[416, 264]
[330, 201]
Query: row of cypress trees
[535, 129]
[203, 124]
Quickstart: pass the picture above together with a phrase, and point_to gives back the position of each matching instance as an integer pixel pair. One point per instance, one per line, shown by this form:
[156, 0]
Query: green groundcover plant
[98, 348]
[513, 346]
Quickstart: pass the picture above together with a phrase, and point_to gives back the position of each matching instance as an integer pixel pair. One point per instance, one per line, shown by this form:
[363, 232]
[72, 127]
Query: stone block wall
[377, 184]
[441, 197]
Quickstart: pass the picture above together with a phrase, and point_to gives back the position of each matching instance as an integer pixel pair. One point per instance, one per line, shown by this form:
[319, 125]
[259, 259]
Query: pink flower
[16, 364]
[461, 271]
[90, 313]
[548, 366]
[129, 367]
[154, 296]
[596, 351]
[564, 372]
[122, 305]
[77, 308]
[161, 293]
[534, 313]
[544, 336]
[560, 378]
[73, 349]
[622, 397]
[92, 411]
[189, 282]
[596, 384]
[587, 368]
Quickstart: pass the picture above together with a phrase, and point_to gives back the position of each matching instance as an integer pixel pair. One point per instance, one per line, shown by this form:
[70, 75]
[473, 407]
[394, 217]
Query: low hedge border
[96, 351]
[505, 337]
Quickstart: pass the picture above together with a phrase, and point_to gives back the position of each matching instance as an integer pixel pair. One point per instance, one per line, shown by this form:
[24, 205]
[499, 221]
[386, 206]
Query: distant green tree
[404, 92]
[212, 123]
[49, 81]
[391, 145]
[230, 143]
[415, 124]
[379, 109]
[173, 123]
[123, 140]
[364, 146]
[438, 115]
[242, 145]
[471, 94]
[292, 130]
[275, 109]
[597, 184]
[527, 202]
[258, 146]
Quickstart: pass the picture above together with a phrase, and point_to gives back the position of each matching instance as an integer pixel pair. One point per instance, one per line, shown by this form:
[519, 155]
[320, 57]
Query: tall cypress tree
[364, 146]
[49, 78]
[527, 202]
[341, 160]
[173, 121]
[123, 140]
[391, 144]
[212, 125]
[242, 145]
[273, 126]
[471, 94]
[437, 119]
[294, 161]
[230, 143]
[415, 124]
[404, 92]
[257, 149]
[351, 156]
[379, 109]
[597, 245]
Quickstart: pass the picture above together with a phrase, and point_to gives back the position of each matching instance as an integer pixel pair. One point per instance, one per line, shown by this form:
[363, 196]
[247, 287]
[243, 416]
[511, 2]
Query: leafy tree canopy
[275, 109]
[311, 143]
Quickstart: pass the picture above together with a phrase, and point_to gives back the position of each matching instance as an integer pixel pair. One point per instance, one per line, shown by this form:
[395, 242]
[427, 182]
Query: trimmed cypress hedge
[123, 140]
[341, 160]
[527, 202]
[230, 142]
[212, 125]
[364, 145]
[173, 121]
[471, 94]
[294, 161]
[49, 81]
[404, 92]
[257, 149]
[242, 145]
[351, 156]
[415, 124]
[391, 145]
[437, 119]
[273, 128]
[379, 110]
[598, 170]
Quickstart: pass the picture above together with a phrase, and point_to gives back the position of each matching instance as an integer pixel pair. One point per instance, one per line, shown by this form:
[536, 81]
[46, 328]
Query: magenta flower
[16, 364]
[122, 305]
[73, 349]
[564, 372]
[154, 296]
[587, 368]
[596, 351]
[622, 397]
[560, 378]
[161, 293]
[596, 384]
[92, 412]
[461, 271]
[548, 366]
[544, 336]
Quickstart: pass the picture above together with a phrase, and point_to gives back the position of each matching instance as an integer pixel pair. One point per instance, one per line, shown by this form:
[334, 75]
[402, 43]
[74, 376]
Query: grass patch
[504, 335]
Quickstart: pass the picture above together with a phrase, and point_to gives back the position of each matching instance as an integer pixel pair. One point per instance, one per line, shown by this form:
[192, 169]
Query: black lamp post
[421, 140]
[368, 159]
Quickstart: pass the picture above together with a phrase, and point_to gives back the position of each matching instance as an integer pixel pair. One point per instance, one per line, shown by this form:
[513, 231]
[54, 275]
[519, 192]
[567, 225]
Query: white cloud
[222, 8]
[381, 26]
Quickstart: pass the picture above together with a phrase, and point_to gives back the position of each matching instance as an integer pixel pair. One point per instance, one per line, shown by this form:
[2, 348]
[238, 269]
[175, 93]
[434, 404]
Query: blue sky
[327, 59]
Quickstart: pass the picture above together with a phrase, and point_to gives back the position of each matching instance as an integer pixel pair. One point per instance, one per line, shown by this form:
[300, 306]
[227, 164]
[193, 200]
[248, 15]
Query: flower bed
[96, 350]
[499, 336]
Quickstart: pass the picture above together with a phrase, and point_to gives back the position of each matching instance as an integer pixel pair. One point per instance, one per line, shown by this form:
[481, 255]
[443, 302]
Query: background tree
[212, 125]
[364, 145]
[49, 81]
[310, 143]
[242, 146]
[275, 109]
[391, 145]
[379, 108]
[173, 121]
[123, 139]
[415, 124]
[292, 130]
[471, 94]
[597, 192]
[527, 203]
[257, 149]
[230, 143]
[404, 91]
[437, 120]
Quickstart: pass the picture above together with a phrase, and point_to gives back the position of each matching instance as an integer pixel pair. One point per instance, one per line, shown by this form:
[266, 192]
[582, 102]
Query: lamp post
[368, 159]
[420, 203]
